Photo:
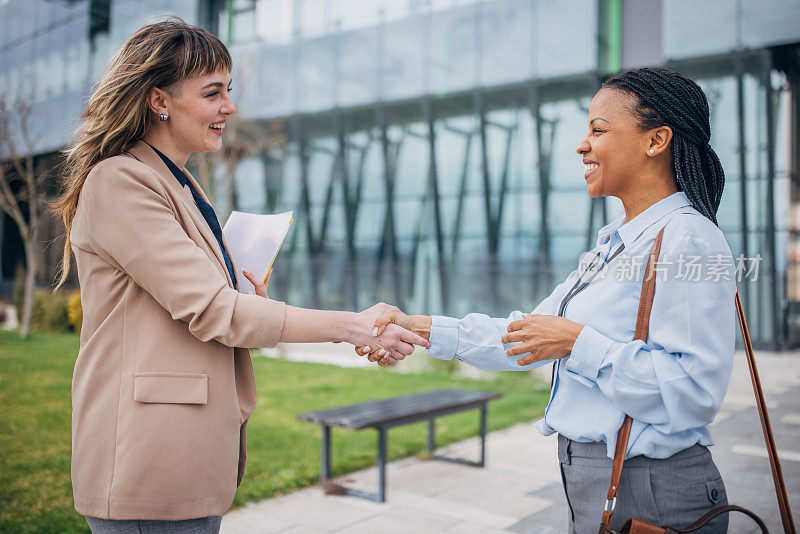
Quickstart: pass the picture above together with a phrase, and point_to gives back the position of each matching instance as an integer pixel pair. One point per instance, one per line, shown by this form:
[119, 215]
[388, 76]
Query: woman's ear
[659, 140]
[157, 101]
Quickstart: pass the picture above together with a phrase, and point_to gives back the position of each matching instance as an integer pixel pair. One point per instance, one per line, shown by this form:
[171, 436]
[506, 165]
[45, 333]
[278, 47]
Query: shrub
[50, 311]
[75, 310]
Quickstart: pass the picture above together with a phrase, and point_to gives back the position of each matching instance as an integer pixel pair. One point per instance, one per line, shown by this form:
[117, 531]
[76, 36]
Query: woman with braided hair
[648, 145]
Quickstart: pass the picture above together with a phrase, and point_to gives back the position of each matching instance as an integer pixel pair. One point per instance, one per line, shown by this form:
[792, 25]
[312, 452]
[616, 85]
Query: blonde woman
[163, 384]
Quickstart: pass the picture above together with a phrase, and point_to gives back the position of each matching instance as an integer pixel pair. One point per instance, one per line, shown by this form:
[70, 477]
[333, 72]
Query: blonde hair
[156, 55]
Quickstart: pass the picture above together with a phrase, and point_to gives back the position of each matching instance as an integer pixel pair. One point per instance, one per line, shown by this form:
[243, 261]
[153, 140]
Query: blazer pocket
[170, 388]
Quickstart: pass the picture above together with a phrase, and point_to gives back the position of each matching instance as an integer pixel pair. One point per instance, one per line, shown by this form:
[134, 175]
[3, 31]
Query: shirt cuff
[444, 337]
[588, 353]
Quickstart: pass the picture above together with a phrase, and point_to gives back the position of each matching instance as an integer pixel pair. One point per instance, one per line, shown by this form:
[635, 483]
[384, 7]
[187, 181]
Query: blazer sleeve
[133, 227]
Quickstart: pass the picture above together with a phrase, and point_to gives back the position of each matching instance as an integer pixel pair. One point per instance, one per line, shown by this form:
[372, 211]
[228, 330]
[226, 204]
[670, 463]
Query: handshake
[532, 338]
[394, 334]
[386, 335]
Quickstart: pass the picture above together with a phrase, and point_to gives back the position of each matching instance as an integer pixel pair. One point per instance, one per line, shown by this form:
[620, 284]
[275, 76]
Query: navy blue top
[205, 209]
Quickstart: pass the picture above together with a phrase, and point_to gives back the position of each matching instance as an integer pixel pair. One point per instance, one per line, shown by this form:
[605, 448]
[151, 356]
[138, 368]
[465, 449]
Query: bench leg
[382, 464]
[479, 463]
[483, 437]
[382, 457]
[431, 435]
[325, 453]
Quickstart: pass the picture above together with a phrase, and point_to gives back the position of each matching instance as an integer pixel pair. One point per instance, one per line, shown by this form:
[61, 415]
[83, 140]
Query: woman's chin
[593, 191]
[214, 146]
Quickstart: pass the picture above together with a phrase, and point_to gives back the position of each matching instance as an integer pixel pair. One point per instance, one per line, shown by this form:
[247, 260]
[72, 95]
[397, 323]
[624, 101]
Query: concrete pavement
[520, 491]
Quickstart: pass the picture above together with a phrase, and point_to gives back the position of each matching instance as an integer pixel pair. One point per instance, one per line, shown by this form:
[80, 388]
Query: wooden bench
[387, 413]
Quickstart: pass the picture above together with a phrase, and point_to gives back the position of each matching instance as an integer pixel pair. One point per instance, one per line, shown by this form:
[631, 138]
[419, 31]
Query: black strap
[581, 284]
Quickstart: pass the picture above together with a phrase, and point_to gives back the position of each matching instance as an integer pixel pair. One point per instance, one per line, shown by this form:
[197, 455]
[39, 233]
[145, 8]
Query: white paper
[254, 240]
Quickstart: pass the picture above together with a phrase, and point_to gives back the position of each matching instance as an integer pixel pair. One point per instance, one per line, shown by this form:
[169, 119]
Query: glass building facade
[427, 147]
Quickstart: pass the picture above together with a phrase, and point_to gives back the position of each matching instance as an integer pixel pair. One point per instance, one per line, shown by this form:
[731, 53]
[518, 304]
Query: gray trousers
[674, 491]
[201, 525]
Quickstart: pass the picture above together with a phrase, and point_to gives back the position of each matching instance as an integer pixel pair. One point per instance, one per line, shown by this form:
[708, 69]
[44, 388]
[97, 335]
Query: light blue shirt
[673, 385]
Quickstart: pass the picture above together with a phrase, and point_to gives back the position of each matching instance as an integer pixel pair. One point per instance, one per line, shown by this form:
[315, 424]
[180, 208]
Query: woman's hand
[393, 342]
[392, 318]
[259, 285]
[546, 337]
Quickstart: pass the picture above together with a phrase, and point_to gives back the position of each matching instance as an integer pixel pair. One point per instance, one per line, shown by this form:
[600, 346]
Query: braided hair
[668, 98]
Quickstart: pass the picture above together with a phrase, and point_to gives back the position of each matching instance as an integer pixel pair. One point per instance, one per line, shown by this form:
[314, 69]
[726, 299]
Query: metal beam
[433, 177]
[305, 209]
[543, 271]
[742, 161]
[462, 191]
[389, 240]
[774, 321]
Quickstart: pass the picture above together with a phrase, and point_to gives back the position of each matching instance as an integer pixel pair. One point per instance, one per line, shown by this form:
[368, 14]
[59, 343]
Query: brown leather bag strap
[642, 328]
[641, 332]
[637, 526]
[723, 510]
[775, 464]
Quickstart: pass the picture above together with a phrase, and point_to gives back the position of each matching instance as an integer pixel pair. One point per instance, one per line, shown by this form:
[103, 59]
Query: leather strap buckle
[610, 505]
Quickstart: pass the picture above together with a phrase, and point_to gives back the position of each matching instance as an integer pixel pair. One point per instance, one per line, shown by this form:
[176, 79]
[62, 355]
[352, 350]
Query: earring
[651, 151]
[163, 117]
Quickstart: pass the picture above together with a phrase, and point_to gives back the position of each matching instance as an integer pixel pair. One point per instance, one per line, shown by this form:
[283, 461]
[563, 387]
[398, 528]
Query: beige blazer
[163, 386]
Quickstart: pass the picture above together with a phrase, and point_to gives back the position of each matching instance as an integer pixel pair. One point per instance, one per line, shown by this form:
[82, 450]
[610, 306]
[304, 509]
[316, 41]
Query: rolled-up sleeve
[476, 338]
[444, 337]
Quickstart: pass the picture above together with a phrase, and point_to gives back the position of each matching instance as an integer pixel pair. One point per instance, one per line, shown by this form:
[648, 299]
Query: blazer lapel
[142, 152]
[199, 189]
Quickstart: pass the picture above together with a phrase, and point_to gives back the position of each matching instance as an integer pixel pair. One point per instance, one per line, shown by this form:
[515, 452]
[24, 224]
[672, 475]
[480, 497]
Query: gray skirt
[674, 491]
[201, 525]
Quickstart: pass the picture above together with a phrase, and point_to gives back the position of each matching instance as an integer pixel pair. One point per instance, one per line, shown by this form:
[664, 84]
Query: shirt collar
[174, 169]
[630, 231]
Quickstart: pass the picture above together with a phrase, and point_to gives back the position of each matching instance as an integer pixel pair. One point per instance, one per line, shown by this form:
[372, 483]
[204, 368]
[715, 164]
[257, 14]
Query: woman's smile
[589, 167]
[217, 127]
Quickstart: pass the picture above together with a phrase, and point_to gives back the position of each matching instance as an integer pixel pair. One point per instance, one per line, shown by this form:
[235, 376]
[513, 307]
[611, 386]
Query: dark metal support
[326, 212]
[382, 464]
[352, 198]
[305, 208]
[742, 148]
[494, 213]
[389, 239]
[380, 496]
[342, 176]
[788, 61]
[543, 273]
[462, 193]
[382, 460]
[775, 318]
[483, 427]
[484, 409]
[433, 175]
[480, 110]
[325, 458]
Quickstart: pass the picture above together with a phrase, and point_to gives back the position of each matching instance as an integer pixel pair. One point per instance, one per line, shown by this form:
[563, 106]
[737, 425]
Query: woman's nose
[228, 107]
[583, 147]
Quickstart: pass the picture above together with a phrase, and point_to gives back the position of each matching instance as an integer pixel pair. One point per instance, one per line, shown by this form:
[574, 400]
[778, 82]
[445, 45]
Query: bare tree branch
[18, 171]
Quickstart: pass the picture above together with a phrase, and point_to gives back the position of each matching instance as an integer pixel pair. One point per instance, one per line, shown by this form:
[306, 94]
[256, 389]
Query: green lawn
[283, 453]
